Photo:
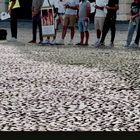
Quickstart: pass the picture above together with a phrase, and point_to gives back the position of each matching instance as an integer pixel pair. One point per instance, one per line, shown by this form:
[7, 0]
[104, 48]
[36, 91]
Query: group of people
[68, 12]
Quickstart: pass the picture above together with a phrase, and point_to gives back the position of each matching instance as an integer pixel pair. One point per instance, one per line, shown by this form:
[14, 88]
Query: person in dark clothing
[110, 22]
[13, 10]
[36, 19]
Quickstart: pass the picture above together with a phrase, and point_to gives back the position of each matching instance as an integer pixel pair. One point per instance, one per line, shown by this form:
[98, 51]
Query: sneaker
[134, 45]
[97, 42]
[32, 41]
[70, 42]
[99, 45]
[40, 42]
[127, 45]
[79, 44]
[61, 42]
[53, 42]
[46, 41]
[111, 45]
[13, 39]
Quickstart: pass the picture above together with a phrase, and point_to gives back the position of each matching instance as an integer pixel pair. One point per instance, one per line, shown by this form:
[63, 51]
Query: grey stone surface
[69, 88]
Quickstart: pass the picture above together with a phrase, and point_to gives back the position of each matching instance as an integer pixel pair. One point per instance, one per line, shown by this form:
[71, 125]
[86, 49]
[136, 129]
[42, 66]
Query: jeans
[138, 34]
[131, 30]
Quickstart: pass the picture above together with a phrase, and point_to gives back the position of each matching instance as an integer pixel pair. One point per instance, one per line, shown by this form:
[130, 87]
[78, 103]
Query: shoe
[13, 39]
[134, 45]
[61, 42]
[53, 42]
[111, 45]
[127, 45]
[40, 42]
[86, 44]
[99, 45]
[46, 42]
[32, 41]
[79, 44]
[70, 42]
[97, 42]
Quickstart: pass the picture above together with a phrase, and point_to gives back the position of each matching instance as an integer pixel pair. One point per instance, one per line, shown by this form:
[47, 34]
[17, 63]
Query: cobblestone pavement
[68, 88]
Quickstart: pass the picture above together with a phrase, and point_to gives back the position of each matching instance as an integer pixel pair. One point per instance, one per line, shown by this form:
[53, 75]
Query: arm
[116, 7]
[12, 5]
[134, 16]
[72, 7]
[99, 7]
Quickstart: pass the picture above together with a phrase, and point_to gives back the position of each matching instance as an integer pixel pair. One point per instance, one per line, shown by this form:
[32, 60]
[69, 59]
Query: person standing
[99, 17]
[84, 12]
[13, 10]
[61, 13]
[134, 21]
[137, 39]
[70, 19]
[36, 20]
[110, 22]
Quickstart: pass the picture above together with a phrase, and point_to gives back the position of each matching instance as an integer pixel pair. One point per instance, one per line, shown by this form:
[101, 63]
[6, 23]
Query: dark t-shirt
[135, 8]
[112, 3]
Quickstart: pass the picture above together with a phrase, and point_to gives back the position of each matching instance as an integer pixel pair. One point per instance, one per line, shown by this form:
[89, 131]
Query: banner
[47, 20]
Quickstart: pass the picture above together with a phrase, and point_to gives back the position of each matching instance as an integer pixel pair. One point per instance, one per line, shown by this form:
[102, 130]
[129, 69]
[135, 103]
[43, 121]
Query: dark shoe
[79, 44]
[32, 41]
[86, 44]
[40, 42]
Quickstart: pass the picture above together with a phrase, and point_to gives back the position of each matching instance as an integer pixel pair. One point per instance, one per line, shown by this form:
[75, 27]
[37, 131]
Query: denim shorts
[83, 25]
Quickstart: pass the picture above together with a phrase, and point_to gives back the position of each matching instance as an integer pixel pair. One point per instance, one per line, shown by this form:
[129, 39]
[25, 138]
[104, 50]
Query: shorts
[99, 23]
[83, 25]
[69, 20]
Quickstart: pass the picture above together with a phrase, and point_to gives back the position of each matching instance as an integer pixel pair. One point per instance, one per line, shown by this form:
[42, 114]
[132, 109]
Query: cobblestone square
[68, 88]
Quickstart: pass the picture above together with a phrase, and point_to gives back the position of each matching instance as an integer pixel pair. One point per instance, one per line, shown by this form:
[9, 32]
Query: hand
[86, 18]
[132, 18]
[33, 13]
[107, 7]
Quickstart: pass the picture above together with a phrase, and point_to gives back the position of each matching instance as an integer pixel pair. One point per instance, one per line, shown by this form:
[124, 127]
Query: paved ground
[68, 88]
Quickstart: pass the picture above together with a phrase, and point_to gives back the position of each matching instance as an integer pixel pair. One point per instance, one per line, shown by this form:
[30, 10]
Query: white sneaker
[70, 42]
[53, 42]
[134, 45]
[13, 39]
[46, 41]
[111, 45]
[61, 42]
[97, 42]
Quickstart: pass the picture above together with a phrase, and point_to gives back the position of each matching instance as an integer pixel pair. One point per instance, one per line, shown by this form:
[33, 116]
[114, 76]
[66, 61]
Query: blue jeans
[131, 30]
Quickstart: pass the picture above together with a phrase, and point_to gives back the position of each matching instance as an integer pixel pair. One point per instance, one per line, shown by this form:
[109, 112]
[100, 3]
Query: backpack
[3, 34]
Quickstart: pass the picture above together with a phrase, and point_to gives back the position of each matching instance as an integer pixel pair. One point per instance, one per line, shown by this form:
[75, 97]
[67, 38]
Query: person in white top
[61, 12]
[99, 17]
[70, 19]
[54, 3]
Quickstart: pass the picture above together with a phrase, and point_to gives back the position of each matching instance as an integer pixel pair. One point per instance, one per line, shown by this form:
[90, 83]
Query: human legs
[113, 29]
[131, 29]
[138, 35]
[13, 22]
[106, 28]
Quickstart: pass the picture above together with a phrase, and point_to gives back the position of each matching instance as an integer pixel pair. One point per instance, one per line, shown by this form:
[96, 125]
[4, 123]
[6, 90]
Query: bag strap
[49, 3]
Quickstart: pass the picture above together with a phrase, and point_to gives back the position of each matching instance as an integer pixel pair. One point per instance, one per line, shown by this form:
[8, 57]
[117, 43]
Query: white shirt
[72, 3]
[61, 8]
[52, 2]
[101, 13]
